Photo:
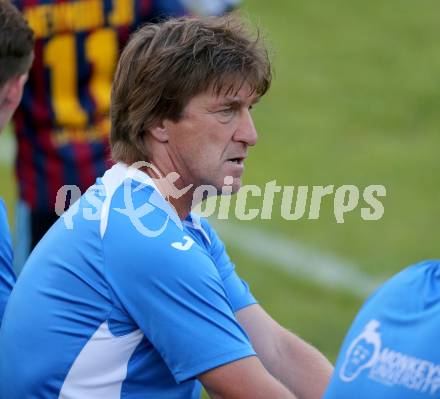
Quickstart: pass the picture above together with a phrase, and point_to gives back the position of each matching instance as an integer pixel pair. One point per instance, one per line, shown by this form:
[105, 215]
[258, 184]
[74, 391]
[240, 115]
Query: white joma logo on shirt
[183, 246]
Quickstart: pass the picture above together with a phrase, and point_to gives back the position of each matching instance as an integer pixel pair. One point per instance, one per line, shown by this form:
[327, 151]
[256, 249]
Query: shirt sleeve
[176, 296]
[7, 276]
[238, 291]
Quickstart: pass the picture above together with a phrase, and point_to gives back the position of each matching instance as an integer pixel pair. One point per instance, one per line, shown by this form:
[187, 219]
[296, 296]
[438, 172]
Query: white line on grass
[297, 259]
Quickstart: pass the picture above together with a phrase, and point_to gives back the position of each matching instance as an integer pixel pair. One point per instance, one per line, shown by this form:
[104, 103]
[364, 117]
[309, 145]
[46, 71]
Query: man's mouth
[237, 160]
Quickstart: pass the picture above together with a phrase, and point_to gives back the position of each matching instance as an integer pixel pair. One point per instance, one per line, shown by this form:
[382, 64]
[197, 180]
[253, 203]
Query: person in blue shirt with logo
[16, 54]
[130, 294]
[7, 276]
[391, 350]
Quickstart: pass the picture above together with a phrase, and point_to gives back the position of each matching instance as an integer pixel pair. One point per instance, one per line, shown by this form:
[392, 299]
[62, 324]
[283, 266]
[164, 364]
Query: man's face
[211, 139]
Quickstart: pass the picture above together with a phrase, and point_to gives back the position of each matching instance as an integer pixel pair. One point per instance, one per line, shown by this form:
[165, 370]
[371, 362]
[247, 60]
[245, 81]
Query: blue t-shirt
[7, 276]
[121, 299]
[392, 349]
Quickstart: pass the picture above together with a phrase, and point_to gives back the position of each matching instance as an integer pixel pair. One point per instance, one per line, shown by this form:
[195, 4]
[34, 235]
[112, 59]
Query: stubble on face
[215, 133]
[207, 145]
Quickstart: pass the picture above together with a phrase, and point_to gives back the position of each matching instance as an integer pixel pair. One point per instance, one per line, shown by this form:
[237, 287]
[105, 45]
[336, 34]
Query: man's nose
[246, 131]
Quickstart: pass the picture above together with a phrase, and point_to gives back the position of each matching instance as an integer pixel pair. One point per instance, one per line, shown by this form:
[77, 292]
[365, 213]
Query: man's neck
[173, 190]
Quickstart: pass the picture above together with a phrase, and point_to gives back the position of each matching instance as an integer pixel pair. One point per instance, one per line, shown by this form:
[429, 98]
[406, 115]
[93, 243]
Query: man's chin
[226, 186]
[231, 187]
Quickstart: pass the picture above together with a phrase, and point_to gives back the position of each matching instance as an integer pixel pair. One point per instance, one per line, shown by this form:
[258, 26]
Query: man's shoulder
[4, 227]
[141, 212]
[205, 227]
[7, 277]
[135, 213]
[2, 208]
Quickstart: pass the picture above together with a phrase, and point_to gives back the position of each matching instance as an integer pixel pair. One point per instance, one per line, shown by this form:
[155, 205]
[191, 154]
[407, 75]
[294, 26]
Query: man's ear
[14, 91]
[160, 132]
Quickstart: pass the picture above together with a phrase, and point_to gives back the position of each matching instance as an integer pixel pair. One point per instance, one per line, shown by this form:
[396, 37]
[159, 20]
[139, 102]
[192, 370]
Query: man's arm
[299, 366]
[243, 379]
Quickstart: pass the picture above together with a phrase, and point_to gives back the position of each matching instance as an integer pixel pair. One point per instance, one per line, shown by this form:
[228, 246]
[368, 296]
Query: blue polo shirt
[121, 299]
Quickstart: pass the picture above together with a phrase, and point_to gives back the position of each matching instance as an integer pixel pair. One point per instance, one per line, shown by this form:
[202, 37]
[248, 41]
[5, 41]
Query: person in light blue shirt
[16, 53]
[130, 294]
[391, 350]
[117, 312]
[7, 277]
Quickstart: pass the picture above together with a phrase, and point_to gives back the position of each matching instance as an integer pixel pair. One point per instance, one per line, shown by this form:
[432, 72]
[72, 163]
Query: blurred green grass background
[353, 101]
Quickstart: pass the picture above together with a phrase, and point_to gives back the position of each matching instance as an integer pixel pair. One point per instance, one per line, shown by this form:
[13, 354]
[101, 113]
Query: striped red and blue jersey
[62, 123]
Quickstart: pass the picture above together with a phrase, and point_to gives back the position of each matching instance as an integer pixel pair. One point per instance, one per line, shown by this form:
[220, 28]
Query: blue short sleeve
[237, 289]
[176, 296]
[7, 277]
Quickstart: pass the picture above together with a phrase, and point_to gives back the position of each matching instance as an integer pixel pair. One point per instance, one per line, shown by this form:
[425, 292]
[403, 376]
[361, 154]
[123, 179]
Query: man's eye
[226, 111]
